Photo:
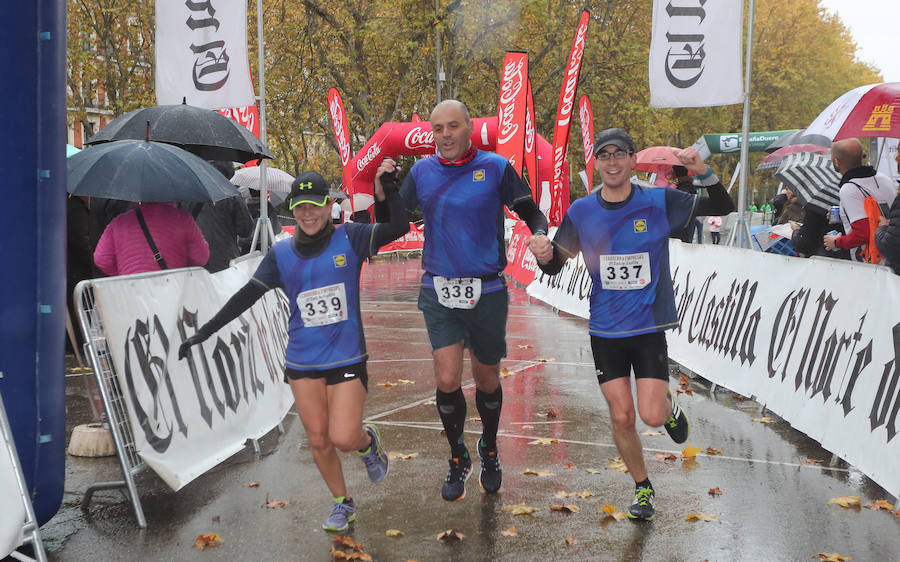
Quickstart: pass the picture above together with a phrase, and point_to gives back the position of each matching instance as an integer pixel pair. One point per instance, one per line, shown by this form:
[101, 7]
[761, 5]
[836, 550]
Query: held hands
[184, 347]
[541, 247]
[691, 159]
[385, 177]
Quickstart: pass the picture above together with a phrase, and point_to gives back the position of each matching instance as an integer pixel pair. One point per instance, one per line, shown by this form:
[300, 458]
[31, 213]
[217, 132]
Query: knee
[319, 441]
[346, 441]
[653, 419]
[623, 420]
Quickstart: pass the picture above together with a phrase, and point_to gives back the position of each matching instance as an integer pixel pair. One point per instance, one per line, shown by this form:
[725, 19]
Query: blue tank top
[325, 327]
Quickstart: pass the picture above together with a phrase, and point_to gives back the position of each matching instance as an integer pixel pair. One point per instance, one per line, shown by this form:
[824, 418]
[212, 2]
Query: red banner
[564, 119]
[246, 116]
[521, 265]
[342, 134]
[586, 114]
[531, 163]
[511, 108]
[412, 240]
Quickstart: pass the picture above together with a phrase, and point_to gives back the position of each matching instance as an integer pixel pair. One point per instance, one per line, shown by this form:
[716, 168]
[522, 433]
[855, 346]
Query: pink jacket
[123, 248]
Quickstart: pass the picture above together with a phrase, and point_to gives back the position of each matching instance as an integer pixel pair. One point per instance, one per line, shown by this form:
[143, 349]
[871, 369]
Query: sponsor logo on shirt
[478, 175]
[340, 260]
[640, 225]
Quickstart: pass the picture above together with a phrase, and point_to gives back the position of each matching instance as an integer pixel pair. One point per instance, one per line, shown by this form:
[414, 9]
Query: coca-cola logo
[585, 115]
[559, 154]
[513, 81]
[419, 137]
[243, 115]
[337, 120]
[368, 157]
[529, 133]
[568, 97]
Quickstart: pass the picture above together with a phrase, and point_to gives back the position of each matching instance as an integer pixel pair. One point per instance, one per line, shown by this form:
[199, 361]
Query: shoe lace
[341, 510]
[371, 459]
[489, 460]
[643, 496]
[457, 470]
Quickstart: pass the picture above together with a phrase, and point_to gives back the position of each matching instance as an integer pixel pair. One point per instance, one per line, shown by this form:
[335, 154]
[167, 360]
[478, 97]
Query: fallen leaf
[526, 346]
[571, 466]
[695, 516]
[543, 441]
[666, 456]
[347, 542]
[208, 539]
[545, 360]
[846, 501]
[689, 452]
[563, 494]
[652, 432]
[504, 371]
[450, 534]
[364, 556]
[715, 492]
[570, 508]
[711, 451]
[474, 419]
[552, 413]
[402, 456]
[337, 554]
[832, 557]
[273, 503]
[684, 380]
[570, 540]
[618, 464]
[880, 504]
[253, 484]
[584, 494]
[520, 509]
[607, 509]
[592, 471]
[801, 460]
[394, 533]
[739, 398]
[764, 419]
[532, 472]
[511, 532]
[405, 381]
[689, 391]
[386, 384]
[619, 515]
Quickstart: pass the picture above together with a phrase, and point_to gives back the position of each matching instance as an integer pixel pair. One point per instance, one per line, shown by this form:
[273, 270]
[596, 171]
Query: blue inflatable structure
[33, 241]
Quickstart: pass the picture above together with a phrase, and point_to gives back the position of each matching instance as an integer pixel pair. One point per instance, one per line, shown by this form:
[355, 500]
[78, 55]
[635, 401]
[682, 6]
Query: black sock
[452, 409]
[489, 406]
[644, 484]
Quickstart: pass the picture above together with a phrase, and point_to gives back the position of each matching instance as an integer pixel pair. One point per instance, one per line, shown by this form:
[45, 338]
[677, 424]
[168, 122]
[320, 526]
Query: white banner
[201, 53]
[695, 53]
[817, 341]
[12, 515]
[189, 415]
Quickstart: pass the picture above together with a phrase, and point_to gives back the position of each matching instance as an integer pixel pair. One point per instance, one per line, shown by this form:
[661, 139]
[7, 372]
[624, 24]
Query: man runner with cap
[622, 231]
[325, 361]
[461, 191]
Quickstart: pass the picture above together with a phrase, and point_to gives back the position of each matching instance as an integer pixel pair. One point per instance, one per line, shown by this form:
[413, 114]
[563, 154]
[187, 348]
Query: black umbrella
[798, 137]
[145, 171]
[206, 133]
[811, 177]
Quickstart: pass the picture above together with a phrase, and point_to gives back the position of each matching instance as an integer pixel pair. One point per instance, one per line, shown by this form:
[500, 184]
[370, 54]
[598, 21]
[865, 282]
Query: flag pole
[740, 234]
[264, 232]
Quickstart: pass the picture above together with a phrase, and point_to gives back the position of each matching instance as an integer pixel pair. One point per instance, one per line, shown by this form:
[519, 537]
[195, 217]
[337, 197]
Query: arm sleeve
[533, 217]
[408, 193]
[717, 201]
[236, 305]
[566, 245]
[513, 190]
[859, 235]
[394, 225]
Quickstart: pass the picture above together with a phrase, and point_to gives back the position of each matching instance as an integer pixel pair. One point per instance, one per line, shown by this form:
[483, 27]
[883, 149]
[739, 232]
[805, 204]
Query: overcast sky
[874, 25]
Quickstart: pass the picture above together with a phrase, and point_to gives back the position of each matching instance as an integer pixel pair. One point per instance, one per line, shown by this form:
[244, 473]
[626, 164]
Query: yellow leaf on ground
[689, 452]
[570, 508]
[253, 484]
[394, 533]
[405, 381]
[504, 371]
[543, 442]
[532, 472]
[695, 516]
[526, 346]
[592, 471]
[764, 419]
[666, 457]
[618, 464]
[520, 509]
[570, 540]
[607, 509]
[385, 384]
[402, 456]
[562, 494]
[832, 557]
[619, 515]
[846, 501]
[511, 532]
[584, 494]
[208, 539]
[880, 504]
[711, 451]
[715, 492]
[450, 534]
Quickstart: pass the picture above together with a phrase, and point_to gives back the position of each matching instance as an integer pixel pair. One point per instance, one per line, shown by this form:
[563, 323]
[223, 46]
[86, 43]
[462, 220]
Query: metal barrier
[30, 533]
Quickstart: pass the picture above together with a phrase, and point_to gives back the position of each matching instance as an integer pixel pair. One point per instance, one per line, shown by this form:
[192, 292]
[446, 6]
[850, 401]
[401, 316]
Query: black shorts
[647, 354]
[332, 376]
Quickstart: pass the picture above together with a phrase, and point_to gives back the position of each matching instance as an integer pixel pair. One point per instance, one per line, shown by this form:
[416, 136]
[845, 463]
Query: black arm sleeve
[390, 216]
[556, 264]
[236, 305]
[533, 217]
[717, 202]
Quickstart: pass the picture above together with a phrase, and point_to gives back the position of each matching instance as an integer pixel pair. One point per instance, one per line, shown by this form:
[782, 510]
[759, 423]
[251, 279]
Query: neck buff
[306, 242]
[464, 159]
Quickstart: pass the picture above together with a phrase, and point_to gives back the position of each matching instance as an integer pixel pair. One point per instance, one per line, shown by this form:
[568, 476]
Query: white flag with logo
[201, 53]
[695, 53]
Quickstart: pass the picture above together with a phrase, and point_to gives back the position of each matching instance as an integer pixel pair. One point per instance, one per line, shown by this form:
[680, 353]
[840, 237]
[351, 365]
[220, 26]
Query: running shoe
[375, 458]
[677, 424]
[491, 473]
[454, 488]
[342, 514]
[642, 508]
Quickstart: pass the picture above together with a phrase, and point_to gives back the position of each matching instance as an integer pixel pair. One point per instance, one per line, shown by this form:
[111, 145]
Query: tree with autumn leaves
[381, 56]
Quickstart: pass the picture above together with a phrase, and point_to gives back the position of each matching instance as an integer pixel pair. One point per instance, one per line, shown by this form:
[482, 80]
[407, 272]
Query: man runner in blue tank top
[461, 191]
[622, 231]
[325, 360]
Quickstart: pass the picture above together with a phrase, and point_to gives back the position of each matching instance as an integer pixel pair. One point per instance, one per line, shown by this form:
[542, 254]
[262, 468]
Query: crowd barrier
[181, 418]
[816, 341]
[18, 523]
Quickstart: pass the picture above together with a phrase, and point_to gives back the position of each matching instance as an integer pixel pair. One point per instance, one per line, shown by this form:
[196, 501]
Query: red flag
[586, 114]
[246, 116]
[342, 134]
[531, 164]
[564, 118]
[511, 108]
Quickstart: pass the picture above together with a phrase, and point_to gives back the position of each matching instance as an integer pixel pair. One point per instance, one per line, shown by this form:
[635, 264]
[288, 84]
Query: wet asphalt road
[772, 506]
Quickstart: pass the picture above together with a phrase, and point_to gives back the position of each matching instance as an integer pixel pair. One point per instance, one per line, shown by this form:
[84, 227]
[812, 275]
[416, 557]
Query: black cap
[615, 137]
[308, 187]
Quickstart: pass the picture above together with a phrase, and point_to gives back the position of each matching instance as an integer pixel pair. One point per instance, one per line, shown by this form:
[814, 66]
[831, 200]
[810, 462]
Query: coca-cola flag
[342, 134]
[511, 108]
[563, 122]
[201, 53]
[695, 53]
[586, 114]
[531, 163]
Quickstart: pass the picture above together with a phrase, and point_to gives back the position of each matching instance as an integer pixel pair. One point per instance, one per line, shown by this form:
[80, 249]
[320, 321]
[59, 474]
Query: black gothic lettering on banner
[887, 400]
[211, 70]
[684, 65]
[579, 280]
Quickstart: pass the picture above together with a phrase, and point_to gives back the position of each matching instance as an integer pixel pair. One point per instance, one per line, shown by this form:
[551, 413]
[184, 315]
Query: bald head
[847, 154]
[452, 106]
